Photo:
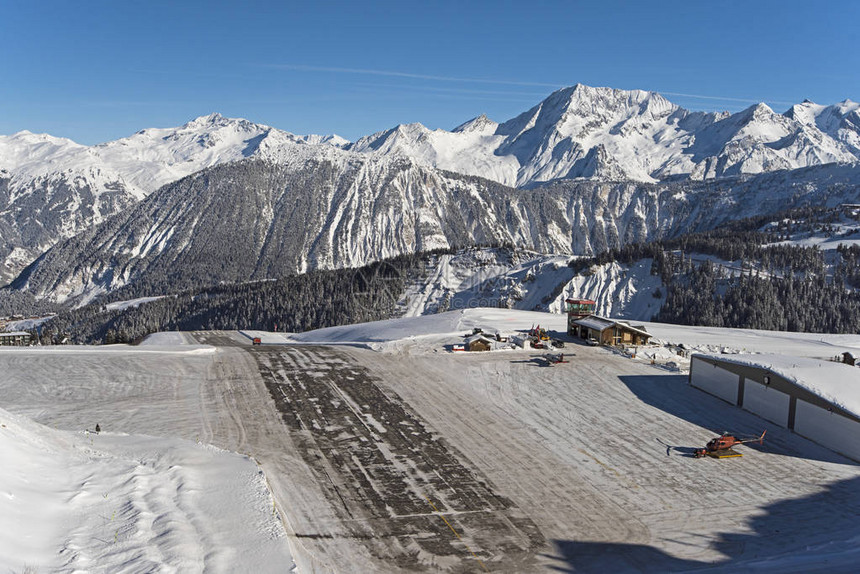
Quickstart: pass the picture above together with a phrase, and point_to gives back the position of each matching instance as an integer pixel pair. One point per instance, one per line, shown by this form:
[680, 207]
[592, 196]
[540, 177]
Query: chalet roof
[595, 322]
[638, 328]
[478, 337]
[602, 323]
[14, 334]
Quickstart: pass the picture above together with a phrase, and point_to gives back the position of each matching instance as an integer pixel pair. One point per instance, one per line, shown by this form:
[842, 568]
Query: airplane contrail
[395, 74]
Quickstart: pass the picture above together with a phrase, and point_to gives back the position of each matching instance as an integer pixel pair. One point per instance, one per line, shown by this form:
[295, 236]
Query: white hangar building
[819, 400]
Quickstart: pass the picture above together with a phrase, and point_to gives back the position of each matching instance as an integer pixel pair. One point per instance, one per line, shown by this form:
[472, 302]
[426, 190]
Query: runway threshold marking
[442, 516]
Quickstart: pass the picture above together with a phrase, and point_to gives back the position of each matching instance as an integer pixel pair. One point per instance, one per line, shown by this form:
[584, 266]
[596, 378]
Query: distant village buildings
[15, 339]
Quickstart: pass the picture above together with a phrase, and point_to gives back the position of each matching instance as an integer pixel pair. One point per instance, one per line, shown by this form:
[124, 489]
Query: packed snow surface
[425, 331]
[109, 502]
[487, 403]
[551, 443]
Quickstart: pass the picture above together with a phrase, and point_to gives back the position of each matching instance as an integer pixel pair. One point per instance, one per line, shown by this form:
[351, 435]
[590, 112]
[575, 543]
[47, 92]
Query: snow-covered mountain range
[613, 143]
[145, 161]
[53, 188]
[609, 134]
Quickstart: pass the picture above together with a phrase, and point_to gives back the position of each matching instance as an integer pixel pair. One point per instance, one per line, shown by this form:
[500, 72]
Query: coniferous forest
[294, 303]
[777, 286]
[770, 285]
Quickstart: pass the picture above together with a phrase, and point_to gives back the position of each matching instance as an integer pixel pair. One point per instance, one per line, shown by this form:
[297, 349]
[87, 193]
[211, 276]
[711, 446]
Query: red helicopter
[721, 447]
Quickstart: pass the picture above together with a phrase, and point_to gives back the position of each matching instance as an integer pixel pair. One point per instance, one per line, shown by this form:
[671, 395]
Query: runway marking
[442, 516]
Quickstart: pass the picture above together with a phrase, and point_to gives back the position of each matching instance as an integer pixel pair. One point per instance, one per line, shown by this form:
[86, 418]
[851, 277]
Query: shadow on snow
[674, 395]
[817, 533]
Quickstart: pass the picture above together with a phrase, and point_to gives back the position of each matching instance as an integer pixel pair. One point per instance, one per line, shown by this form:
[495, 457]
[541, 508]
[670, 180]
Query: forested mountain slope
[257, 220]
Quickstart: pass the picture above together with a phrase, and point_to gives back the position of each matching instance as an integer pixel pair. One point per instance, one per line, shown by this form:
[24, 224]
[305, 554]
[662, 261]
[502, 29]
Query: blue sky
[97, 71]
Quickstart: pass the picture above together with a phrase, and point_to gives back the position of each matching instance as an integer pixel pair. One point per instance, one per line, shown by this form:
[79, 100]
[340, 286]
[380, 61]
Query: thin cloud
[465, 91]
[368, 72]
[129, 103]
[410, 75]
[723, 99]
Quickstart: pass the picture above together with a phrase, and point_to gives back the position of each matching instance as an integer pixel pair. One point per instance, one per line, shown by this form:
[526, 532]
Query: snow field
[594, 452]
[80, 501]
[597, 452]
[127, 502]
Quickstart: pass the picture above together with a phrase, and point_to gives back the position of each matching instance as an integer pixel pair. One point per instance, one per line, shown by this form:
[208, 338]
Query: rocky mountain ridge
[261, 219]
[609, 134]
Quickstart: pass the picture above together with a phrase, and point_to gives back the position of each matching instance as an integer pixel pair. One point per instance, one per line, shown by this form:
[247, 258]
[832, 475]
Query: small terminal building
[817, 399]
[608, 331]
[578, 309]
[15, 339]
[479, 342]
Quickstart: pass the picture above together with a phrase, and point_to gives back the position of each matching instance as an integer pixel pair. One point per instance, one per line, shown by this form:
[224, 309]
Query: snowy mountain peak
[215, 122]
[759, 110]
[202, 121]
[588, 99]
[332, 140]
[481, 124]
[27, 137]
[584, 131]
[838, 122]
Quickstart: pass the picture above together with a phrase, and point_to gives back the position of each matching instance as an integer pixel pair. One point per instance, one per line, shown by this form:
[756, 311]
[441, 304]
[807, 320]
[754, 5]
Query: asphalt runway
[401, 490]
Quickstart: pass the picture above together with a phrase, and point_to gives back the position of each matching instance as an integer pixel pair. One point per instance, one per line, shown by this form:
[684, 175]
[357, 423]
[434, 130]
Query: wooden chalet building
[609, 332]
[479, 342]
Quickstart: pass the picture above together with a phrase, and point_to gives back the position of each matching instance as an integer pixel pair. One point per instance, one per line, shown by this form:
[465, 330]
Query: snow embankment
[374, 335]
[166, 339]
[427, 332]
[110, 502]
[726, 340]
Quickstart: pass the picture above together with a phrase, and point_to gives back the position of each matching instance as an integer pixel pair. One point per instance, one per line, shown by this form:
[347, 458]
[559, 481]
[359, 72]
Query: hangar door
[766, 402]
[828, 429]
[714, 380]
